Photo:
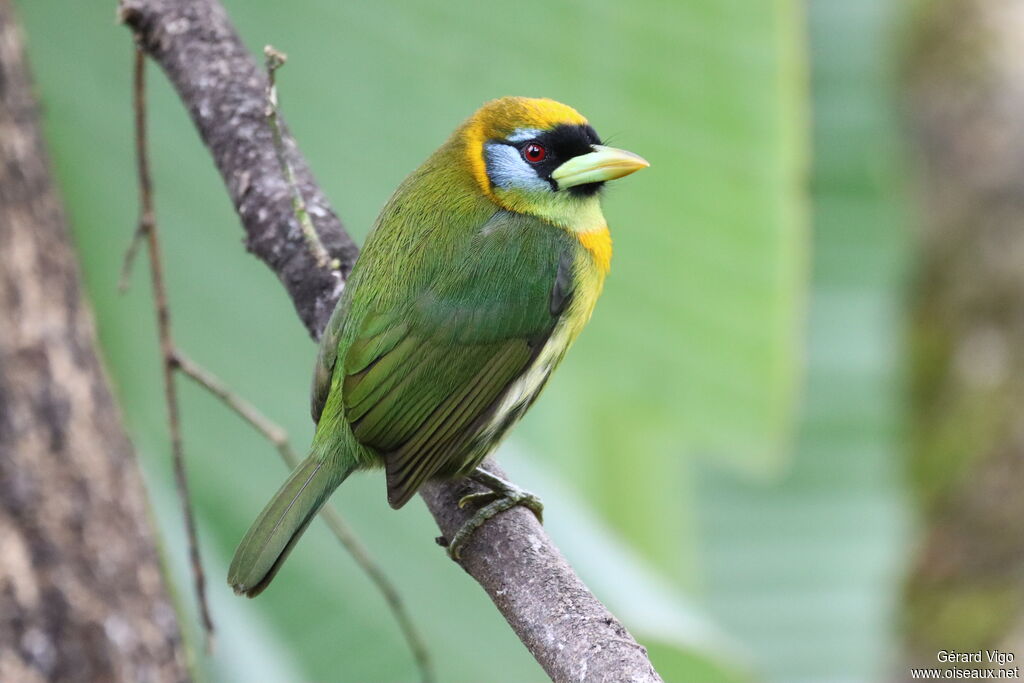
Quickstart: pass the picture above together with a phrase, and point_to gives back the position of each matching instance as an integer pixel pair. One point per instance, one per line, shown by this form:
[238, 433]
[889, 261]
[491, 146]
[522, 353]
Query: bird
[476, 278]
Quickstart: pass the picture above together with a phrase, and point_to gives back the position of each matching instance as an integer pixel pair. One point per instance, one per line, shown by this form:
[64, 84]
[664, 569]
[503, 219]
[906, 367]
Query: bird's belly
[524, 390]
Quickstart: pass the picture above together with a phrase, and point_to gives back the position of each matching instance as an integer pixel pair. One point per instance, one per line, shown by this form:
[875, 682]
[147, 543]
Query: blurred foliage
[805, 569]
[694, 349]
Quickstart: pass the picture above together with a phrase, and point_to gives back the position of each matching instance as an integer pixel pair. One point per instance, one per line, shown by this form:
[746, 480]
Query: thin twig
[275, 60]
[206, 379]
[129, 258]
[147, 226]
[341, 530]
[175, 359]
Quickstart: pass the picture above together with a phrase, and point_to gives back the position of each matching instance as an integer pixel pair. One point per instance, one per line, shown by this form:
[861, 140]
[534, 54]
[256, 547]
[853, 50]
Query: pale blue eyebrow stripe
[524, 134]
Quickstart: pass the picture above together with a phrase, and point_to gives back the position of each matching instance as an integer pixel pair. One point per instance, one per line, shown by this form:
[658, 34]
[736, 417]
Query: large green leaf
[692, 347]
[806, 569]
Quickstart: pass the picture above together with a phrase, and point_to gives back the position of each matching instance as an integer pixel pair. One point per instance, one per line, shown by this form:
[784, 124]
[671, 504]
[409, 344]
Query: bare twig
[248, 412]
[175, 359]
[569, 632]
[147, 227]
[129, 258]
[275, 60]
[341, 530]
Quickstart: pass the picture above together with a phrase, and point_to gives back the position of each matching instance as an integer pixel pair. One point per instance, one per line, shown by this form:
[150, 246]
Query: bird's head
[541, 157]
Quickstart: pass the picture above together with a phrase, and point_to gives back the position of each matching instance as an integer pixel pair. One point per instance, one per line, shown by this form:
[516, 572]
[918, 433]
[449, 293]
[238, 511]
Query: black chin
[586, 190]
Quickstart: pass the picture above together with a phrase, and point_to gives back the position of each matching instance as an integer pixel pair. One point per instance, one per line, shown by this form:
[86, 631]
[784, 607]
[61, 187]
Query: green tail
[272, 536]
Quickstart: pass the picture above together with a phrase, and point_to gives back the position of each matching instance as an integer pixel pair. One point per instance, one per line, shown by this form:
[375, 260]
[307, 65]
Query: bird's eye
[534, 153]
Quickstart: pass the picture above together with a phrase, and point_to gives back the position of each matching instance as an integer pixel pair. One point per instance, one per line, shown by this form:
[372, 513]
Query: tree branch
[224, 89]
[569, 632]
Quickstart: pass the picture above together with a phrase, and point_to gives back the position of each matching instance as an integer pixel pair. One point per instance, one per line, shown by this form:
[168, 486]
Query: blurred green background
[718, 455]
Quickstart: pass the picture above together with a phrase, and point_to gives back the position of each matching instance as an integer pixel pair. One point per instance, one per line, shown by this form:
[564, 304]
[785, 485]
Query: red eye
[534, 153]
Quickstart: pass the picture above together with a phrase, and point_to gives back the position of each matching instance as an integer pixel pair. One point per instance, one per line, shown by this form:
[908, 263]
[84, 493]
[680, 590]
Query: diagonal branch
[567, 630]
[224, 89]
[275, 60]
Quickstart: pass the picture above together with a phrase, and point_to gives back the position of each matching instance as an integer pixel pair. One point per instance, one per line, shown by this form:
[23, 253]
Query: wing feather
[420, 378]
[417, 460]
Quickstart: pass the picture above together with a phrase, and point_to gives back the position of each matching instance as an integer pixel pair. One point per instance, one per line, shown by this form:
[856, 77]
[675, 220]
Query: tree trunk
[966, 85]
[82, 595]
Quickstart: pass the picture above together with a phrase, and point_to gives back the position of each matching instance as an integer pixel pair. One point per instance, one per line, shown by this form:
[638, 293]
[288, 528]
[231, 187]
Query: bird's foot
[503, 495]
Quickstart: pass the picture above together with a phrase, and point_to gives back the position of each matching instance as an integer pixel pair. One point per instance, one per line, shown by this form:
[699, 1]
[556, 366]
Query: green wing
[326, 358]
[421, 379]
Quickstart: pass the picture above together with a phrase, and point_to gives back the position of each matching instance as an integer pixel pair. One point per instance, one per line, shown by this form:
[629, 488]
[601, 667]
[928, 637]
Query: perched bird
[478, 275]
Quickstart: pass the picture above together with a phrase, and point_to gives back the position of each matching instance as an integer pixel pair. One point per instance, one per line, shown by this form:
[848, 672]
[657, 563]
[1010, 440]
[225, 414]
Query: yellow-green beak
[604, 163]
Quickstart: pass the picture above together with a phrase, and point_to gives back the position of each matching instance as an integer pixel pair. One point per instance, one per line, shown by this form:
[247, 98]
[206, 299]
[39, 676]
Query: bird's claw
[503, 496]
[478, 499]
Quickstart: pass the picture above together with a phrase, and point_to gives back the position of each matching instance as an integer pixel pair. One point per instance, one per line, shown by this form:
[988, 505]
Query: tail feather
[274, 533]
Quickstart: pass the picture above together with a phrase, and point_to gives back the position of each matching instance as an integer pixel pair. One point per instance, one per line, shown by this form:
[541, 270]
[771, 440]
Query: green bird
[477, 277]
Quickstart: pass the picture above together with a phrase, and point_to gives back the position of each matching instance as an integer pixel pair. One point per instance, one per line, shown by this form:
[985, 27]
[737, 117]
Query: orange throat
[599, 243]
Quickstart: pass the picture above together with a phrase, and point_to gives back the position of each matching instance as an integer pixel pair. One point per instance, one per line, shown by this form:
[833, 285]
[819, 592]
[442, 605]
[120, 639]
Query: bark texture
[570, 633]
[966, 85]
[82, 596]
[224, 90]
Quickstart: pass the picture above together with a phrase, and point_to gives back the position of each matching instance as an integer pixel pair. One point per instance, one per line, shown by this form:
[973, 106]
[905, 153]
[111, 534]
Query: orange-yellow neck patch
[500, 118]
[599, 244]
